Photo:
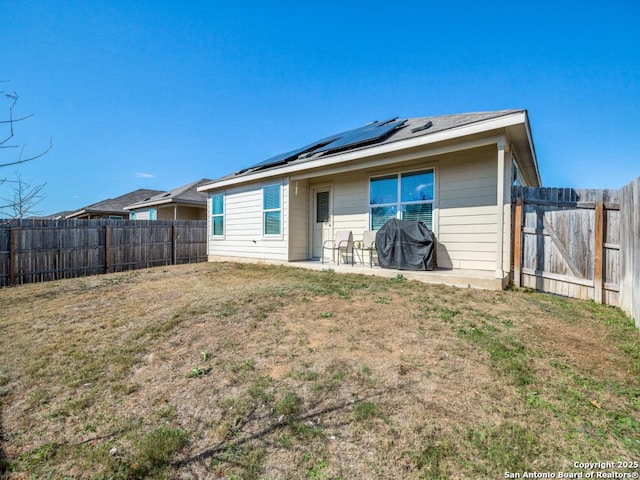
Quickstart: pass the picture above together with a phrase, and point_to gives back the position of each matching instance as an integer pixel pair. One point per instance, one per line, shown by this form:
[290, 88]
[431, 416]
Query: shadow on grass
[243, 438]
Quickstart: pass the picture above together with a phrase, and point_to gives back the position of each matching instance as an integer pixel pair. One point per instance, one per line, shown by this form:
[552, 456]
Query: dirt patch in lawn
[245, 371]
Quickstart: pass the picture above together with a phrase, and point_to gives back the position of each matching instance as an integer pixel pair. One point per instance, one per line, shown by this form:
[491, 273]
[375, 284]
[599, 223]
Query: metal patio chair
[368, 245]
[343, 242]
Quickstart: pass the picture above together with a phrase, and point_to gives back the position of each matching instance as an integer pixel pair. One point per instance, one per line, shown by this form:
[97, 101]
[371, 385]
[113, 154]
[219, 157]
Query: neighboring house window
[217, 214]
[152, 214]
[132, 216]
[407, 196]
[272, 210]
[115, 217]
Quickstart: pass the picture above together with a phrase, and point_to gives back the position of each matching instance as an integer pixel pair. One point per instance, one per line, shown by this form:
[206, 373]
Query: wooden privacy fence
[567, 241]
[44, 250]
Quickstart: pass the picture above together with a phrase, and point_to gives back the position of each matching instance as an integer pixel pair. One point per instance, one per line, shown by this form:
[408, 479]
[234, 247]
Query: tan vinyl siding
[351, 204]
[467, 215]
[243, 225]
[299, 224]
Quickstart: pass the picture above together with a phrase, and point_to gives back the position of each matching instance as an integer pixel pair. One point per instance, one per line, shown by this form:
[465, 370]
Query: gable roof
[114, 206]
[404, 133]
[185, 194]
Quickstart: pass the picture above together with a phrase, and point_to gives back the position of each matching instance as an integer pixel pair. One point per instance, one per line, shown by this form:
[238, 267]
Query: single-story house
[182, 203]
[453, 172]
[112, 208]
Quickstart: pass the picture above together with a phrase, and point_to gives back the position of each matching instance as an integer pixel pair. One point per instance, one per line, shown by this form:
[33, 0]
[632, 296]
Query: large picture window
[407, 196]
[217, 215]
[272, 210]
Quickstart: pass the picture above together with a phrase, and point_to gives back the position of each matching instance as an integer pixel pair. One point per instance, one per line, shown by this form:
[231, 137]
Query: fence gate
[567, 241]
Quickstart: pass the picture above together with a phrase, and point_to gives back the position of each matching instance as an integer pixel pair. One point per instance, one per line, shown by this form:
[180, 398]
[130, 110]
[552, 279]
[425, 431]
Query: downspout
[501, 145]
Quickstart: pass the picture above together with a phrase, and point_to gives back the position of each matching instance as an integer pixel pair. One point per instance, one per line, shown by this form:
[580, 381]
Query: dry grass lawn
[259, 372]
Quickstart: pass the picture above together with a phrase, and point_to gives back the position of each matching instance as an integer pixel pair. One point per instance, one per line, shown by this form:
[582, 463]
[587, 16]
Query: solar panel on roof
[358, 136]
[281, 158]
[363, 136]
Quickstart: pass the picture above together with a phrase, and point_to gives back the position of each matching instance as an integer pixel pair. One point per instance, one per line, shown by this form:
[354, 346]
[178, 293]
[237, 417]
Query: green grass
[430, 460]
[289, 406]
[154, 452]
[366, 411]
[239, 462]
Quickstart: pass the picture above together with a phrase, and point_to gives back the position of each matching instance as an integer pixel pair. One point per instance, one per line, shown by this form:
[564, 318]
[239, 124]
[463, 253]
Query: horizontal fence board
[557, 277]
[34, 250]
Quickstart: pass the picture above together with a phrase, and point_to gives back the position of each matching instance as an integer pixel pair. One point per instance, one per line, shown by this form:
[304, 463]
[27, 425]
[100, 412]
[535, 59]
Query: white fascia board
[137, 206]
[533, 149]
[475, 128]
[75, 214]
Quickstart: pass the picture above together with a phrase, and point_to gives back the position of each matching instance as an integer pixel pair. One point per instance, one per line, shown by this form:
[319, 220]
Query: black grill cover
[406, 245]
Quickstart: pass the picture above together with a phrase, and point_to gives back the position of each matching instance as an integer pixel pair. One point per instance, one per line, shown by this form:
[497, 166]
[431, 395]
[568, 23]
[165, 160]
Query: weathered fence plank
[630, 250]
[42, 250]
[598, 253]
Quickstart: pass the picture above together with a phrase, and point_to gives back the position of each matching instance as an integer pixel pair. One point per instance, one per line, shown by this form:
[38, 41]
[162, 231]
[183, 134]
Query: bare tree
[25, 196]
[12, 98]
[23, 199]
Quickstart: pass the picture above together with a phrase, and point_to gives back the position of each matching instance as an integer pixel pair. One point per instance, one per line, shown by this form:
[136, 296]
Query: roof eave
[534, 157]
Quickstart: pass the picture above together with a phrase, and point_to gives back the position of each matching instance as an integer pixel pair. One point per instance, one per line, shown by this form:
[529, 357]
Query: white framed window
[406, 196]
[217, 215]
[272, 210]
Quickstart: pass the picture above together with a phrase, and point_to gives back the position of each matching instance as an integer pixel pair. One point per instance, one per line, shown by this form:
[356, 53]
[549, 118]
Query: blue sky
[156, 94]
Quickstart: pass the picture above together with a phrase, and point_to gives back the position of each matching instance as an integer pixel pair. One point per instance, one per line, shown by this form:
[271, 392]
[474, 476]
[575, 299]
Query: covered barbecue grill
[406, 245]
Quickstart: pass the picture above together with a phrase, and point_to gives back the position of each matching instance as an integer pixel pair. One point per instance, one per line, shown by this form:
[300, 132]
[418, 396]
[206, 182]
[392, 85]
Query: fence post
[174, 244]
[517, 245]
[107, 250]
[599, 253]
[13, 257]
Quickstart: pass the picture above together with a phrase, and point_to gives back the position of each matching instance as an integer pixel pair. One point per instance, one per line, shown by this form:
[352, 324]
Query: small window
[217, 215]
[272, 210]
[322, 207]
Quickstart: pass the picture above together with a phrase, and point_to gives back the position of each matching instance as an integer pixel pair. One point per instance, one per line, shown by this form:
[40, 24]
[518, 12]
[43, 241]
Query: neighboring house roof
[391, 135]
[114, 206]
[54, 216]
[185, 195]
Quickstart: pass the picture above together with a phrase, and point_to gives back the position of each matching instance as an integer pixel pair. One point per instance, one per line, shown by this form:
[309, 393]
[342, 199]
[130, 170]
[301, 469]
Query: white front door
[322, 214]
